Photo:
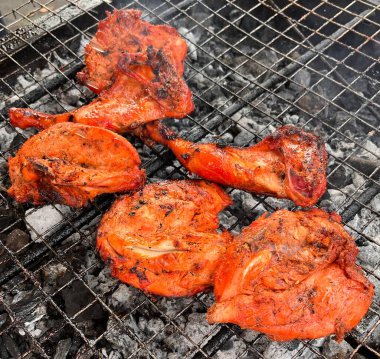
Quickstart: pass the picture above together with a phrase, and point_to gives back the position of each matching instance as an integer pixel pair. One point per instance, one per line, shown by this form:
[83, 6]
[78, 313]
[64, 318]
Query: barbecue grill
[252, 66]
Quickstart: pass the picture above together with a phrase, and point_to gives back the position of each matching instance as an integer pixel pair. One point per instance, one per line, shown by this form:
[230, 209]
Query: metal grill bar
[313, 43]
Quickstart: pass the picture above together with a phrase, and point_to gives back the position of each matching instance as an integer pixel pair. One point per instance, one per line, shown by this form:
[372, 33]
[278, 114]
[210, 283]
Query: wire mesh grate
[252, 66]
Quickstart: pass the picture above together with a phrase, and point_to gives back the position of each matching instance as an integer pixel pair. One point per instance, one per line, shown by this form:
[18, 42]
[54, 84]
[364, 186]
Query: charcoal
[16, 240]
[3, 319]
[243, 138]
[119, 339]
[332, 349]
[302, 80]
[7, 217]
[6, 138]
[125, 298]
[341, 177]
[232, 349]
[287, 350]
[63, 348]
[197, 327]
[11, 346]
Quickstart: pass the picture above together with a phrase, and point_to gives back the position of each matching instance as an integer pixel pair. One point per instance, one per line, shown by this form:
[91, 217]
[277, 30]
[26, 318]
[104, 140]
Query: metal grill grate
[252, 66]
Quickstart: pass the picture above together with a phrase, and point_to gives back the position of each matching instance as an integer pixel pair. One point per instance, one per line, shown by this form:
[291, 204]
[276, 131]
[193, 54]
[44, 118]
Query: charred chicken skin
[73, 163]
[137, 70]
[290, 163]
[164, 239]
[292, 275]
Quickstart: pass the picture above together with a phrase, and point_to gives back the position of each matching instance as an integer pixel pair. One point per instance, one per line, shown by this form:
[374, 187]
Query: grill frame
[27, 265]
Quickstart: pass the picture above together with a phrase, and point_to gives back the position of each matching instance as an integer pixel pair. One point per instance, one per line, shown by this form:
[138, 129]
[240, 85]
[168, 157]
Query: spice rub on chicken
[136, 68]
[290, 163]
[73, 163]
[292, 275]
[164, 239]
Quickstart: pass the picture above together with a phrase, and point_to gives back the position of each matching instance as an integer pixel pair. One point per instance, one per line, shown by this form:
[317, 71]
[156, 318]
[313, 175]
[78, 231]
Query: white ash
[6, 138]
[334, 201]
[279, 203]
[36, 326]
[232, 349]
[191, 39]
[227, 220]
[172, 306]
[288, 351]
[103, 282]
[119, 340]
[197, 327]
[125, 298]
[332, 349]
[41, 221]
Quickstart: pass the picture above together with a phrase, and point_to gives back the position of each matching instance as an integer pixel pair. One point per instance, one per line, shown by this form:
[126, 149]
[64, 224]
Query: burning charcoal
[63, 348]
[44, 218]
[16, 240]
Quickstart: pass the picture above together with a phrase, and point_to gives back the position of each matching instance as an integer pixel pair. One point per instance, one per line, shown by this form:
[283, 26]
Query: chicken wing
[139, 78]
[292, 275]
[164, 239]
[73, 163]
[290, 163]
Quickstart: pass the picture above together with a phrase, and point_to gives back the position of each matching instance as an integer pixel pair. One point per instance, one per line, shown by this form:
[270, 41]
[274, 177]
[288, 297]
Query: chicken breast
[136, 68]
[292, 275]
[164, 239]
[290, 163]
[73, 163]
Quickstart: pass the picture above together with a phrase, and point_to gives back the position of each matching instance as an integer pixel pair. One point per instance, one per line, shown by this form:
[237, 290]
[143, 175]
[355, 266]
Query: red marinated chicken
[73, 163]
[124, 32]
[292, 275]
[164, 239]
[290, 163]
[137, 70]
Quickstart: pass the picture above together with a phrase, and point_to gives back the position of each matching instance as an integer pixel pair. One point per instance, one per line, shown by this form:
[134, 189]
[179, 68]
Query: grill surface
[252, 66]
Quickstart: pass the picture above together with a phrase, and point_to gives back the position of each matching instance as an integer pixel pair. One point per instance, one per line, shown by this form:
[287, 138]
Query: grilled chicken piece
[292, 275]
[73, 163]
[136, 68]
[290, 163]
[164, 239]
[124, 32]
